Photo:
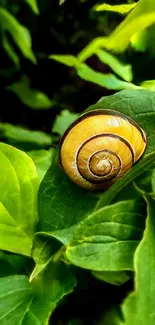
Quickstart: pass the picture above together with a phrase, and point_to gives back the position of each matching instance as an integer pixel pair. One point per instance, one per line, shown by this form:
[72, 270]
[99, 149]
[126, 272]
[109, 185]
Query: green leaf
[69, 60]
[148, 84]
[115, 278]
[124, 71]
[121, 9]
[34, 6]
[63, 121]
[140, 18]
[42, 159]
[107, 239]
[10, 50]
[32, 98]
[18, 200]
[144, 40]
[58, 208]
[19, 33]
[24, 303]
[19, 136]
[108, 80]
[136, 171]
[138, 308]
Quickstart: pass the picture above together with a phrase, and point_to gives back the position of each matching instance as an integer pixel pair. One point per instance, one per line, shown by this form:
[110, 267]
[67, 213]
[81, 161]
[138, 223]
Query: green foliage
[139, 306]
[18, 200]
[70, 256]
[30, 97]
[19, 33]
[121, 9]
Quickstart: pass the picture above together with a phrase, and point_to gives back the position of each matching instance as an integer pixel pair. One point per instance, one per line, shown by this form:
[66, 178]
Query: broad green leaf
[30, 97]
[25, 303]
[124, 71]
[115, 278]
[138, 308]
[121, 9]
[18, 200]
[108, 80]
[19, 136]
[136, 171]
[10, 50]
[69, 60]
[19, 33]
[107, 239]
[63, 121]
[148, 84]
[58, 208]
[42, 160]
[34, 6]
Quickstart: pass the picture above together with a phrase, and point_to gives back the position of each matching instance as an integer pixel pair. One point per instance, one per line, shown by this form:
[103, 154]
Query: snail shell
[100, 147]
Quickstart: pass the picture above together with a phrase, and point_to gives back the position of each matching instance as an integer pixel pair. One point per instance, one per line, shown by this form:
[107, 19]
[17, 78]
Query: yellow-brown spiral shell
[100, 147]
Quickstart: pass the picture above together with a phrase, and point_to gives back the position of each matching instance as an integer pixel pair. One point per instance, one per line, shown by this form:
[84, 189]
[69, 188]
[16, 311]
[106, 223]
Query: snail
[100, 147]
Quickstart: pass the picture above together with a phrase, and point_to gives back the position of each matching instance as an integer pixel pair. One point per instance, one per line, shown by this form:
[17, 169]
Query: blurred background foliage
[45, 70]
[56, 59]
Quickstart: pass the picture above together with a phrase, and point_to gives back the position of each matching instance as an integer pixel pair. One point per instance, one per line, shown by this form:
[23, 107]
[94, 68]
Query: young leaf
[23, 303]
[19, 33]
[63, 121]
[107, 239]
[108, 80]
[18, 200]
[121, 9]
[138, 308]
[34, 6]
[30, 97]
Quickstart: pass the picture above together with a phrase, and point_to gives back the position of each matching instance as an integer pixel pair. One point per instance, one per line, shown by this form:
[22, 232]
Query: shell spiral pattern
[100, 147]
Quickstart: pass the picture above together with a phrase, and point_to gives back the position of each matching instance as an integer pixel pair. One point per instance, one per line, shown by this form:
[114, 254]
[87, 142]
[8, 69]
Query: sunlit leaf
[42, 160]
[121, 9]
[148, 84]
[18, 200]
